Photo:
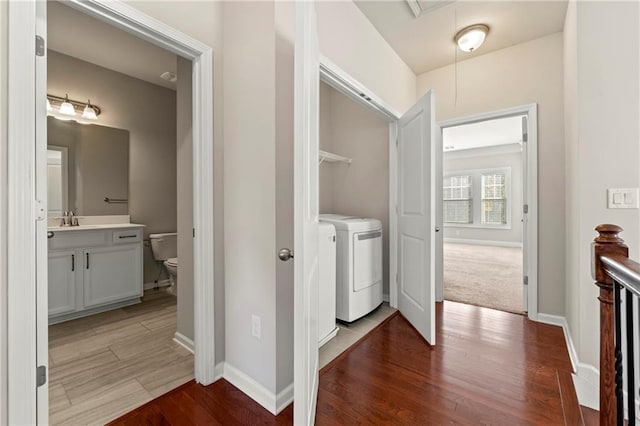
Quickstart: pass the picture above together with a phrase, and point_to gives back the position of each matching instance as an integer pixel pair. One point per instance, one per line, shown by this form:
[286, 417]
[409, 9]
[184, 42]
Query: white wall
[203, 21]
[603, 64]
[351, 41]
[3, 211]
[125, 102]
[456, 161]
[361, 188]
[522, 74]
[250, 187]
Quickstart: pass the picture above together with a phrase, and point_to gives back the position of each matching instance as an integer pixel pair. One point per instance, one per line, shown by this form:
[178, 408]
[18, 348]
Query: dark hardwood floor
[488, 367]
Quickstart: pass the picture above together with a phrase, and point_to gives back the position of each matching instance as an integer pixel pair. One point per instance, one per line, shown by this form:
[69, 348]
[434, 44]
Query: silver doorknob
[437, 229]
[285, 254]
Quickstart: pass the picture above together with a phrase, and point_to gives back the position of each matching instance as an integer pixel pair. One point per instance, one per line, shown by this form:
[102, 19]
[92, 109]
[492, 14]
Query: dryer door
[367, 259]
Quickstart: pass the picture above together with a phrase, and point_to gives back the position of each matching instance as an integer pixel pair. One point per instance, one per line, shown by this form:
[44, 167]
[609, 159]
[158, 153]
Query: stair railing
[619, 280]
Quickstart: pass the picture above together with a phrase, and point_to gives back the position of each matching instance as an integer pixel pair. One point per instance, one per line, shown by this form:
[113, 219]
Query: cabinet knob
[50, 234]
[285, 254]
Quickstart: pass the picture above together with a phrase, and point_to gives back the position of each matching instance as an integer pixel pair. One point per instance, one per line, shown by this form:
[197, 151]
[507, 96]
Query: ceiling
[426, 43]
[81, 36]
[501, 131]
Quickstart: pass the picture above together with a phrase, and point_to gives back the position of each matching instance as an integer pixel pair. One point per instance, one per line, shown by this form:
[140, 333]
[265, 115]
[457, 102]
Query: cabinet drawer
[127, 236]
[77, 239]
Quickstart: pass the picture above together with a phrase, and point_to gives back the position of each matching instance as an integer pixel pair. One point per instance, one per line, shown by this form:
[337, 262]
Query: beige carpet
[487, 276]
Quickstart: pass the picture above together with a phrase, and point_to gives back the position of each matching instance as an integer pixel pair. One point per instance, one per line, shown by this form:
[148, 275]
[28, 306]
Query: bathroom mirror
[87, 165]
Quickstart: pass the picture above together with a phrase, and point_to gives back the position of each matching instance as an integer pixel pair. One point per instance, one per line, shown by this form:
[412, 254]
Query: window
[458, 200]
[491, 190]
[494, 200]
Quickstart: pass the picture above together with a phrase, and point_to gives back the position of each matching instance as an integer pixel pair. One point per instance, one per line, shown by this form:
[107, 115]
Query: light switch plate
[622, 198]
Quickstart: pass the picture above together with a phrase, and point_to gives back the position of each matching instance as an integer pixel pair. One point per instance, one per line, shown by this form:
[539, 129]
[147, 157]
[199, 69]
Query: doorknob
[285, 254]
[437, 229]
[50, 234]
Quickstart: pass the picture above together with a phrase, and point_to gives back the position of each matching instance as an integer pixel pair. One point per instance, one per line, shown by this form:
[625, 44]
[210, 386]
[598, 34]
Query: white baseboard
[586, 377]
[185, 342]
[587, 383]
[161, 283]
[483, 242]
[562, 322]
[263, 396]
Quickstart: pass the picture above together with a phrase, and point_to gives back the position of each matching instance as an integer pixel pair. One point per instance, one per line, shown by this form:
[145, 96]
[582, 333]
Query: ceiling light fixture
[470, 38]
[67, 109]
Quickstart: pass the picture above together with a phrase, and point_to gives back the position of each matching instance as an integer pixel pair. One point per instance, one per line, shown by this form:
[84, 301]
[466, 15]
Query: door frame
[340, 80]
[530, 190]
[24, 211]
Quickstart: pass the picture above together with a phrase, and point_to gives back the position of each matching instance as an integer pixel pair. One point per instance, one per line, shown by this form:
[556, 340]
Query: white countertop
[95, 227]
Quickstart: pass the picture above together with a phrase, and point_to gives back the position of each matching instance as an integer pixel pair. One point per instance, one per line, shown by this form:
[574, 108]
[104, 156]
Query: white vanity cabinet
[93, 270]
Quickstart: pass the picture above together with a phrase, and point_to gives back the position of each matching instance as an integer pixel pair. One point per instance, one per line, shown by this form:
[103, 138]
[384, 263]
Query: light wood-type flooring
[488, 367]
[105, 365]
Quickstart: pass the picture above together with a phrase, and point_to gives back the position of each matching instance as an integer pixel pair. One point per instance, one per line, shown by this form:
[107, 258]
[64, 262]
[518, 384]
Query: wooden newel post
[607, 243]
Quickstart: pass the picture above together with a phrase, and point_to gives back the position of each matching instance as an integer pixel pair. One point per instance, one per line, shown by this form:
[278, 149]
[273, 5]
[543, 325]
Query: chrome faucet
[73, 219]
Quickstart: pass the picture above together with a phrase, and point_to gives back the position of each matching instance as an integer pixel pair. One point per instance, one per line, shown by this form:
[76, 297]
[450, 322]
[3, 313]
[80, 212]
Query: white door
[306, 117]
[42, 287]
[439, 258]
[417, 180]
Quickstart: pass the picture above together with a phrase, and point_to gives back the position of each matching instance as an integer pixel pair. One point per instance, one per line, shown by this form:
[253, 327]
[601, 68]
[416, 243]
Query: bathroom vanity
[93, 268]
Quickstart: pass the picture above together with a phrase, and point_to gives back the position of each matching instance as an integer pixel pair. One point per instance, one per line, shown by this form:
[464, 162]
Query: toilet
[165, 249]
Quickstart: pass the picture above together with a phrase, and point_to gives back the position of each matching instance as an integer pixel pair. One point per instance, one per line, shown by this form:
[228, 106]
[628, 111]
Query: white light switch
[256, 325]
[622, 198]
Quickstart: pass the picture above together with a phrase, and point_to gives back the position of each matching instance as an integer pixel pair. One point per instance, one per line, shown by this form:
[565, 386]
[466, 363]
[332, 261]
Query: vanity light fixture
[67, 109]
[470, 38]
[89, 113]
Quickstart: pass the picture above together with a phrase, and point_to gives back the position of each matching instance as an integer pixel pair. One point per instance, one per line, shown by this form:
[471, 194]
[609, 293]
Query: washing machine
[327, 328]
[358, 265]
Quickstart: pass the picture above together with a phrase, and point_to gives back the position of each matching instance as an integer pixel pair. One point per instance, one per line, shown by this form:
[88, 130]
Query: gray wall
[185, 198]
[148, 112]
[453, 162]
[362, 188]
[518, 75]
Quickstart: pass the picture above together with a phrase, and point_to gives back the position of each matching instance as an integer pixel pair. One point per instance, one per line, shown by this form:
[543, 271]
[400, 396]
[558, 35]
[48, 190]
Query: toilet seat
[172, 261]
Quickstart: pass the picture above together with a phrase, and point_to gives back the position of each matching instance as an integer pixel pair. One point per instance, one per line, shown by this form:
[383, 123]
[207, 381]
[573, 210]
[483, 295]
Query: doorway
[490, 210]
[27, 164]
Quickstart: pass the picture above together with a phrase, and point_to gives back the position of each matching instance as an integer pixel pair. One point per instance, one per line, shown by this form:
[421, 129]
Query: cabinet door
[62, 281]
[112, 274]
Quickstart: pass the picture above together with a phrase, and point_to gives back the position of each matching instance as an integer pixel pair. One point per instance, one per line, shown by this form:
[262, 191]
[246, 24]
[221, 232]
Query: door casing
[26, 325]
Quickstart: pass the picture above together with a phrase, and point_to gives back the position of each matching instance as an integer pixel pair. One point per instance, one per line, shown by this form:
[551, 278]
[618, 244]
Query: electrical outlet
[256, 325]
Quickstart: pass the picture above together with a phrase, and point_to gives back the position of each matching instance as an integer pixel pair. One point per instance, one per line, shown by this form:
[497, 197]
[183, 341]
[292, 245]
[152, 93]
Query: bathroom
[120, 217]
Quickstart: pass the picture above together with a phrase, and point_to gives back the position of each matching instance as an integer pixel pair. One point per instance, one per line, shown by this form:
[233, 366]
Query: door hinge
[39, 211]
[397, 139]
[525, 208]
[526, 280]
[525, 130]
[396, 278]
[40, 46]
[194, 232]
[41, 375]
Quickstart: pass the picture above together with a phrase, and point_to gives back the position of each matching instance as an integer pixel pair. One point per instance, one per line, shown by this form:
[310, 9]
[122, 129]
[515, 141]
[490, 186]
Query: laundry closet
[354, 197]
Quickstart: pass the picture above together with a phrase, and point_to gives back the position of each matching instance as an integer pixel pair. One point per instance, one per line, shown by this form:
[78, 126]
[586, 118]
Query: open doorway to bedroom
[483, 197]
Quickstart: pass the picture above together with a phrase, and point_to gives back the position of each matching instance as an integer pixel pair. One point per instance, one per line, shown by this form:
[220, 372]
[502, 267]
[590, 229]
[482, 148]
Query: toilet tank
[164, 246]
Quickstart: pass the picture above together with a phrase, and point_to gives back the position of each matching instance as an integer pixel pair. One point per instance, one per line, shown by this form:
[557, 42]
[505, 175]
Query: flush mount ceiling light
[66, 109]
[470, 38]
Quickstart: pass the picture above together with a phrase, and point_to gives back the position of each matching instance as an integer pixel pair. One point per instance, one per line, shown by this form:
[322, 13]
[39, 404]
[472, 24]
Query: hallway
[489, 367]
